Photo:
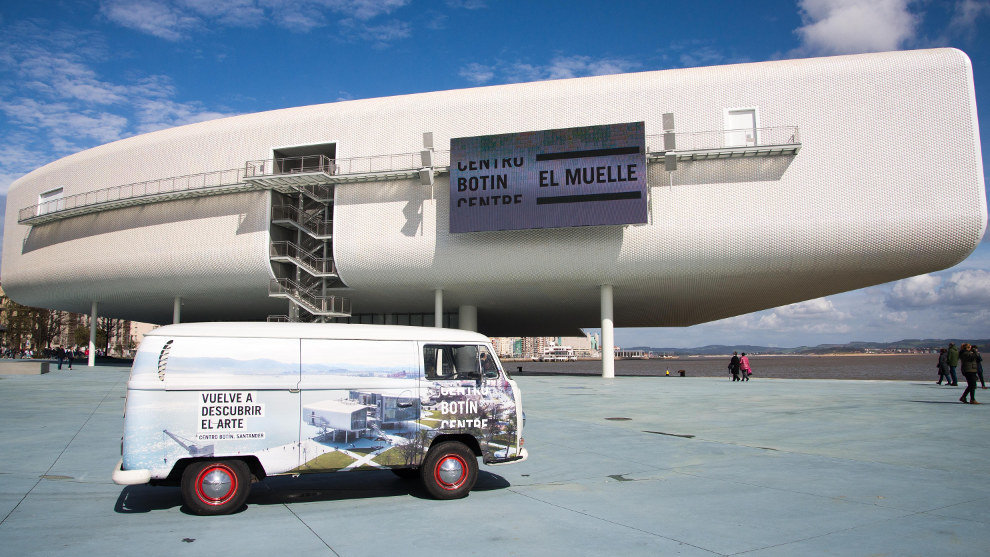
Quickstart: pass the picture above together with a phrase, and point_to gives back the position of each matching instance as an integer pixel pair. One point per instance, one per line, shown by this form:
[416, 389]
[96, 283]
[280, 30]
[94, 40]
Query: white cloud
[157, 114]
[695, 53]
[364, 9]
[963, 291]
[814, 309]
[559, 67]
[967, 288]
[853, 26]
[176, 20]
[966, 14]
[56, 103]
[818, 316]
[914, 292]
[60, 119]
[477, 73]
[160, 19]
[467, 4]
[379, 35]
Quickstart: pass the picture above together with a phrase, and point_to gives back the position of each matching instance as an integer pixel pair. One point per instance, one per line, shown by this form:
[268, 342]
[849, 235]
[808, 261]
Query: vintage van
[212, 407]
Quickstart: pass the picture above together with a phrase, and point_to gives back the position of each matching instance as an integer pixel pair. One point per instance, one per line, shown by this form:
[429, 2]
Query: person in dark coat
[943, 367]
[968, 359]
[734, 366]
[59, 355]
[979, 366]
[953, 361]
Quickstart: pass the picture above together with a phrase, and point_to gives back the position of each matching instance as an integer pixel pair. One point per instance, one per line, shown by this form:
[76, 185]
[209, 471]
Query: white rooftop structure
[761, 184]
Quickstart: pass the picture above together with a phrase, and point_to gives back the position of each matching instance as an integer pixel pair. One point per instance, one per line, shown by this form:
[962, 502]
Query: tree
[117, 334]
[55, 322]
[26, 324]
[81, 336]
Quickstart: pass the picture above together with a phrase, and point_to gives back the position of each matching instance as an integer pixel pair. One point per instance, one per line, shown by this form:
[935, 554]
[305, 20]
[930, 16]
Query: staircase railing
[313, 224]
[309, 300]
[316, 266]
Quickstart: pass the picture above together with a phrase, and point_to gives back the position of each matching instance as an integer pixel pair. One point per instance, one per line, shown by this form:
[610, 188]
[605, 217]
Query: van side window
[451, 361]
[488, 366]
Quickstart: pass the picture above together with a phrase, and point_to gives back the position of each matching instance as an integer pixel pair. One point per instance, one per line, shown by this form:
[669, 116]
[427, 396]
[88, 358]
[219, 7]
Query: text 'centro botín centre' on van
[663, 198]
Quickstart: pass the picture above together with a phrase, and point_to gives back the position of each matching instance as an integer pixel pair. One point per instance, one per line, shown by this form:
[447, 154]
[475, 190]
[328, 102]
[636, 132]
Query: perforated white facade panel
[888, 183]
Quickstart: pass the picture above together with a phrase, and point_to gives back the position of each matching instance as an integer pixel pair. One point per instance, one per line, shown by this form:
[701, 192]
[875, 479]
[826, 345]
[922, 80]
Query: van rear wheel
[450, 470]
[213, 487]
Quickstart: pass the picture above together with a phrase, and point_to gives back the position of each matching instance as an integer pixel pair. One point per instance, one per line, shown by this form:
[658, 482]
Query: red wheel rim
[216, 484]
[450, 472]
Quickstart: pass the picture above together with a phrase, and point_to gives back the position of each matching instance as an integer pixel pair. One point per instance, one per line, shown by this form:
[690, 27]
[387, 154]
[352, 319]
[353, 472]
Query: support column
[92, 337]
[467, 318]
[608, 334]
[438, 307]
[177, 310]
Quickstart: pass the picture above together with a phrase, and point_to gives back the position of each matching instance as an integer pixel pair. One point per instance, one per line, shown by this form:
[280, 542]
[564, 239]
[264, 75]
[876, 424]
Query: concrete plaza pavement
[693, 466]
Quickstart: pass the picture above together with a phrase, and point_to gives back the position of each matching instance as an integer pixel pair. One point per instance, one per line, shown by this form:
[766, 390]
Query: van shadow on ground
[280, 490]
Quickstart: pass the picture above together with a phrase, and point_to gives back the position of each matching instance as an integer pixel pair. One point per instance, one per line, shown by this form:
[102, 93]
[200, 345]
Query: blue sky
[74, 75]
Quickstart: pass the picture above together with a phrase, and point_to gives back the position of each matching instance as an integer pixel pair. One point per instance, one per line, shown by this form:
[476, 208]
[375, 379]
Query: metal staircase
[310, 299]
[313, 223]
[312, 263]
[301, 249]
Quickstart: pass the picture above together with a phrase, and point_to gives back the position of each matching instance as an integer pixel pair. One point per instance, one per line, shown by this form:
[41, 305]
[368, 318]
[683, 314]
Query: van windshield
[451, 362]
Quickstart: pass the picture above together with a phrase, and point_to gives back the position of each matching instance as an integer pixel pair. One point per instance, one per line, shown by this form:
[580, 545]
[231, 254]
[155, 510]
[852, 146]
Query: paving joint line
[614, 523]
[62, 452]
[308, 527]
[840, 530]
[799, 492]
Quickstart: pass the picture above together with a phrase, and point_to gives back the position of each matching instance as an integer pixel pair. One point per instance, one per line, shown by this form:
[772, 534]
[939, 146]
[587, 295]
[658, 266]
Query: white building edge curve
[852, 171]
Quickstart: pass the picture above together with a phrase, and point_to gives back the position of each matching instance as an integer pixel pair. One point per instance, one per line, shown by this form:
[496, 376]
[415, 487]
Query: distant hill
[909, 345]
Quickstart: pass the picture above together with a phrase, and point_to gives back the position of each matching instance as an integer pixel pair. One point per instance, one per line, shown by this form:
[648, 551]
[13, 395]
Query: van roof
[317, 330]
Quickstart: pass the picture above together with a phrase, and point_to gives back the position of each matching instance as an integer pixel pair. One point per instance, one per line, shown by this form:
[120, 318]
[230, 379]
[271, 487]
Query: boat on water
[558, 354]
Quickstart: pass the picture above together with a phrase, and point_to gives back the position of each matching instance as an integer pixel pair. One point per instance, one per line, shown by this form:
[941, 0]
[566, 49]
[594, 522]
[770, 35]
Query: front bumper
[523, 455]
[129, 477]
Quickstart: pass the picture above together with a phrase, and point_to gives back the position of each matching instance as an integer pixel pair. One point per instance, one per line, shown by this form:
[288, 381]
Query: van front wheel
[215, 486]
[449, 471]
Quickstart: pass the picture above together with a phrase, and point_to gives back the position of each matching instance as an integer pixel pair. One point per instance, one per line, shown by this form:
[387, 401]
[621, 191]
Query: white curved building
[765, 184]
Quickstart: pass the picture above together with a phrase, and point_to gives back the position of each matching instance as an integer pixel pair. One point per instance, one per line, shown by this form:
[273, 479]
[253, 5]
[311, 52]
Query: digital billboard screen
[587, 176]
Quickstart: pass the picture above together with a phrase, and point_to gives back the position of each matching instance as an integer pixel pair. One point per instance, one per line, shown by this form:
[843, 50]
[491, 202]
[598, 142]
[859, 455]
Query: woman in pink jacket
[744, 367]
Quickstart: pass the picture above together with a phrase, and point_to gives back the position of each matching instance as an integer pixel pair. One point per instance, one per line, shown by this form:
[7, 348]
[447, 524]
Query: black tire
[449, 471]
[406, 473]
[213, 487]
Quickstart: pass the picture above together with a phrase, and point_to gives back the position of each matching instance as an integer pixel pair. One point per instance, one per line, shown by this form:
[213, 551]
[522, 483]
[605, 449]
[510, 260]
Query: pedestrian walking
[979, 366]
[70, 354]
[59, 355]
[744, 369]
[952, 358]
[943, 367]
[734, 366]
[968, 358]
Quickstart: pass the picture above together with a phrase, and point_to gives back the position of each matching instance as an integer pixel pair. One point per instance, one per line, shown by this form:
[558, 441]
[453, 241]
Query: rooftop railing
[149, 189]
[207, 183]
[724, 139]
[376, 164]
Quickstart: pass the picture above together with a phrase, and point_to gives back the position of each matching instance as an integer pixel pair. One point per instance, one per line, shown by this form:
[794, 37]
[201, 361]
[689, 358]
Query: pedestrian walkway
[631, 466]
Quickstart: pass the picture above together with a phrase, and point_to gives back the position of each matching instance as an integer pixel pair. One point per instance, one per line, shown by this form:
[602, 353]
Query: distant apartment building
[586, 346]
[23, 328]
